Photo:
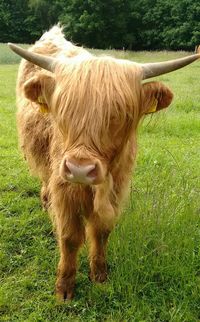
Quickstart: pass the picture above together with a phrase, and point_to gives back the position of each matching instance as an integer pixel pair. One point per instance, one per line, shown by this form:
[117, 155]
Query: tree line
[129, 24]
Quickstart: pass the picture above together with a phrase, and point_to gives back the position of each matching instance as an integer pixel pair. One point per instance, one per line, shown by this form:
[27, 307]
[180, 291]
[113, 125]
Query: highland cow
[77, 121]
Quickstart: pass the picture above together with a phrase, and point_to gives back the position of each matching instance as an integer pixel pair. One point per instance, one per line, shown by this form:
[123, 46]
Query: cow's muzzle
[83, 171]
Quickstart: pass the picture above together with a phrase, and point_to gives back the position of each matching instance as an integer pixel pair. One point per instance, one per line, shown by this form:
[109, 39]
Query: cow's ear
[39, 89]
[155, 96]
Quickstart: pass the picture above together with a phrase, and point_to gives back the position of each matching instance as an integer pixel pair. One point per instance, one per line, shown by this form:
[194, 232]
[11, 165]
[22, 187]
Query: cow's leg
[100, 224]
[98, 236]
[71, 235]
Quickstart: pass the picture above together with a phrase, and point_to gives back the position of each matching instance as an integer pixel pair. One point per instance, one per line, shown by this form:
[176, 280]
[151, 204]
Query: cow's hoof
[64, 296]
[64, 291]
[98, 277]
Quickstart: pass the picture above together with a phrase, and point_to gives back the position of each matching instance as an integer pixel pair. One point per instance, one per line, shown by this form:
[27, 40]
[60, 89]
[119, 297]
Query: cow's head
[96, 104]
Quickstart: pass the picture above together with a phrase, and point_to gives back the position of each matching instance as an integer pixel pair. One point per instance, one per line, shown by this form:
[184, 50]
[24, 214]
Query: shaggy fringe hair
[94, 92]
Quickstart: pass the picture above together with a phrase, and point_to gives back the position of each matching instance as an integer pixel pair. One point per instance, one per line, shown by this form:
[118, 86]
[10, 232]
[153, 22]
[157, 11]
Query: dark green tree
[43, 15]
[96, 23]
[13, 26]
[141, 24]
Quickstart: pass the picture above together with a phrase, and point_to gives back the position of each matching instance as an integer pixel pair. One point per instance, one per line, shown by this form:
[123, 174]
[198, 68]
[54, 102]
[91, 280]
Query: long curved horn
[156, 69]
[45, 62]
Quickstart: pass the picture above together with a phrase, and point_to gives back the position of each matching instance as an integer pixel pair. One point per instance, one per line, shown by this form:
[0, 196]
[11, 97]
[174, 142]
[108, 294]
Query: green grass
[154, 252]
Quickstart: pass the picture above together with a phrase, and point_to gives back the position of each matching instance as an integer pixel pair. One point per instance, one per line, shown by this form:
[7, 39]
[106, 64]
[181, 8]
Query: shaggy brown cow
[77, 121]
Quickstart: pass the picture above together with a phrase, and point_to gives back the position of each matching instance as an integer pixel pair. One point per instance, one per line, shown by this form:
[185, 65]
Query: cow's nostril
[93, 173]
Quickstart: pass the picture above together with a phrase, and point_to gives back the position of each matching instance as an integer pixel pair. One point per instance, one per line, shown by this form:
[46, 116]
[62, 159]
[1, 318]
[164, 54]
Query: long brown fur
[94, 106]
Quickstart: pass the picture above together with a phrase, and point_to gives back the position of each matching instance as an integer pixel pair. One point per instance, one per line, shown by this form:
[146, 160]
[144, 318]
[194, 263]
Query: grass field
[154, 252]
